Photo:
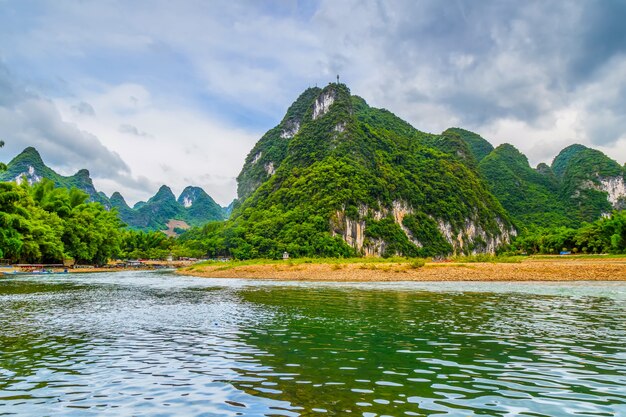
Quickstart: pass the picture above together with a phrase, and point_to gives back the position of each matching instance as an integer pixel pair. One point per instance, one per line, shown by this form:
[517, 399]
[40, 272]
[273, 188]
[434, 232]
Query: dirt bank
[531, 269]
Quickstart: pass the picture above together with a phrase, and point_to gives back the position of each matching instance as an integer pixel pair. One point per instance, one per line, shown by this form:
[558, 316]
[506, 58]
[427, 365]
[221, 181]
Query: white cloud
[29, 120]
[189, 143]
[192, 85]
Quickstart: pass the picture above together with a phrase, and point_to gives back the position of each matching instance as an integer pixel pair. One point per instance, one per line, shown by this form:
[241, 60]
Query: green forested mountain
[479, 146]
[194, 206]
[338, 178]
[593, 182]
[532, 197]
[199, 206]
[271, 149]
[30, 166]
[581, 185]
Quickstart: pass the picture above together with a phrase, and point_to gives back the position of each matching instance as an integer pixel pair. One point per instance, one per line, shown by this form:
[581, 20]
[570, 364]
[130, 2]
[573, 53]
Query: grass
[582, 256]
[488, 258]
[417, 263]
[364, 263]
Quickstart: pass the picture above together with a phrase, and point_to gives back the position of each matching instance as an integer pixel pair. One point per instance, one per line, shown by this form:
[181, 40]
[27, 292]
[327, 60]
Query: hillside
[478, 146]
[194, 206]
[337, 178]
[582, 184]
[30, 166]
[530, 196]
[592, 181]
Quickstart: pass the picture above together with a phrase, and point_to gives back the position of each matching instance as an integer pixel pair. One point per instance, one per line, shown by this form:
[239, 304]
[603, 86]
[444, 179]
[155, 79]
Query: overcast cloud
[150, 92]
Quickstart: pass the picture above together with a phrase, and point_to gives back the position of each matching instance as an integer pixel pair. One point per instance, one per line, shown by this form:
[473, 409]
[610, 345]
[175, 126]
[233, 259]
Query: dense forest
[47, 224]
[606, 235]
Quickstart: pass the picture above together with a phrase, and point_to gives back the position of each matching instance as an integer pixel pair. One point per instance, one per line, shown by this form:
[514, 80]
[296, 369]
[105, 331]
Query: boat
[36, 272]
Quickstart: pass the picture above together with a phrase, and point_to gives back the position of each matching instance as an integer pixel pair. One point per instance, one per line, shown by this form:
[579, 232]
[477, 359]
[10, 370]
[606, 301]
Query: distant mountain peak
[478, 145]
[117, 196]
[190, 195]
[164, 193]
[29, 154]
[82, 173]
[118, 201]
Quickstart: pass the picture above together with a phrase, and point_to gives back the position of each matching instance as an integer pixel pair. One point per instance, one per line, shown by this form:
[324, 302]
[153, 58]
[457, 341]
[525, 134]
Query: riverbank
[541, 268]
[144, 266]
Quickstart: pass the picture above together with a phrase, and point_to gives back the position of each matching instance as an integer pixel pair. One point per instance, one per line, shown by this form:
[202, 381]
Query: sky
[146, 93]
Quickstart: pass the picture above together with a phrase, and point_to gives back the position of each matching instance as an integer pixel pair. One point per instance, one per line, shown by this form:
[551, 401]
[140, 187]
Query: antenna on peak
[337, 78]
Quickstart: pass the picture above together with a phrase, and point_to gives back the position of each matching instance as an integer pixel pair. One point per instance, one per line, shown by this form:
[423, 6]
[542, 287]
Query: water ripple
[157, 344]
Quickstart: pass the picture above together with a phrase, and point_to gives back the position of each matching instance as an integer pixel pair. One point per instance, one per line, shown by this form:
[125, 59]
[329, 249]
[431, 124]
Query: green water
[157, 344]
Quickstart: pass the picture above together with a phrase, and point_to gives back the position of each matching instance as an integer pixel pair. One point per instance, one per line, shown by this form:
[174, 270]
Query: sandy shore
[531, 269]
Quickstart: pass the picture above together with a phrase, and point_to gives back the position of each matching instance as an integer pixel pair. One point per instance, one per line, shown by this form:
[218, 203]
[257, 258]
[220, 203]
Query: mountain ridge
[359, 180]
[151, 215]
[339, 178]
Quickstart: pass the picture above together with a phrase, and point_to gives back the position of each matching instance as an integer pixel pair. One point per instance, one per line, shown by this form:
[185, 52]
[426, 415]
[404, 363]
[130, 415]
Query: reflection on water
[156, 344]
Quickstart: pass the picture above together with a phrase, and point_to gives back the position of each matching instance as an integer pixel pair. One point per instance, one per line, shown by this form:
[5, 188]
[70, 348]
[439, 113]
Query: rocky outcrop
[471, 238]
[290, 129]
[616, 190]
[323, 103]
[30, 175]
[614, 187]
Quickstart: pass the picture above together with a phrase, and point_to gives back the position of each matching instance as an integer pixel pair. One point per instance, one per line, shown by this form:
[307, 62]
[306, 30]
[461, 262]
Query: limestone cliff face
[614, 187]
[616, 190]
[472, 238]
[323, 102]
[30, 175]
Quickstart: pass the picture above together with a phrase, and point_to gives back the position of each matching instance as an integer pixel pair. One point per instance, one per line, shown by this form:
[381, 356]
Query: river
[157, 344]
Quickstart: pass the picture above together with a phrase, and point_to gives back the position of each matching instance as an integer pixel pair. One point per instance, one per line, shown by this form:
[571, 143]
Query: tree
[41, 223]
[2, 166]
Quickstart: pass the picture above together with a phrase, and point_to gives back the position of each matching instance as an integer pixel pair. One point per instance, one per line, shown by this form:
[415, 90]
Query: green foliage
[153, 215]
[580, 170]
[566, 194]
[272, 148]
[417, 263]
[563, 159]
[478, 146]
[43, 223]
[350, 164]
[146, 245]
[3, 167]
[30, 161]
[425, 230]
[606, 235]
[530, 196]
[395, 240]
